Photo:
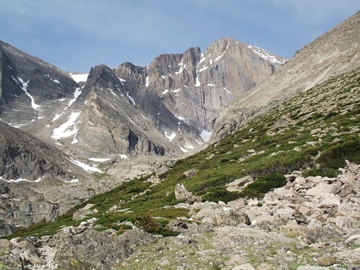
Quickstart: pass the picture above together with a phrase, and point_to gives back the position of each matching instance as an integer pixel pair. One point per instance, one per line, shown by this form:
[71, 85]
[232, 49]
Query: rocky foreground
[312, 223]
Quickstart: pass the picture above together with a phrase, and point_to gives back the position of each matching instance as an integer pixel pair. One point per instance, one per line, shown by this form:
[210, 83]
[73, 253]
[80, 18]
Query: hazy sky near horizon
[78, 34]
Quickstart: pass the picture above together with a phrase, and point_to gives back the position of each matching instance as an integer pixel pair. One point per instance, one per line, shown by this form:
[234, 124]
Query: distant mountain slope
[29, 87]
[334, 53]
[167, 108]
[25, 157]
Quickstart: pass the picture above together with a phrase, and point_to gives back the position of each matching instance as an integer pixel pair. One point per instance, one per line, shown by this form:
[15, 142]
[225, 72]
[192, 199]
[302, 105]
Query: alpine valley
[231, 158]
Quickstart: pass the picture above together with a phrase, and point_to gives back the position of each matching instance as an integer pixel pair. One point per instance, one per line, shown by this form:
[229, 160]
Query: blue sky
[78, 34]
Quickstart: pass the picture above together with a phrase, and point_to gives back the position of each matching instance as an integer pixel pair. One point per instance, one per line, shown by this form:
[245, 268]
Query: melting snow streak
[24, 88]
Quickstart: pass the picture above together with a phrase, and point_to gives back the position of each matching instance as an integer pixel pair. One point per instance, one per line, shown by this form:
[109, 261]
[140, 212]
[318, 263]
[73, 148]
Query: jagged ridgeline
[315, 132]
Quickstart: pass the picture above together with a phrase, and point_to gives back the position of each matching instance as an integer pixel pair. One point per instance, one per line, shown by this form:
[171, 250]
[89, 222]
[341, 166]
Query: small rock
[5, 246]
[320, 189]
[246, 266]
[326, 260]
[309, 267]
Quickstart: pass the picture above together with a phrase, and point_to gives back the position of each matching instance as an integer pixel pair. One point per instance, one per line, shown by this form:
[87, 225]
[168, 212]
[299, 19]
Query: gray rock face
[29, 86]
[25, 157]
[332, 54]
[114, 119]
[20, 206]
[195, 86]
[161, 109]
[90, 250]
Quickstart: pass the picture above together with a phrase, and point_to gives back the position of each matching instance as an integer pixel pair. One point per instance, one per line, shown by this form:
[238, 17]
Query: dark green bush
[150, 225]
[219, 193]
[334, 157]
[263, 184]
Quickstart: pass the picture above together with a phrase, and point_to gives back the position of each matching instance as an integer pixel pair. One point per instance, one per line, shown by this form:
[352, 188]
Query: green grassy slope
[315, 131]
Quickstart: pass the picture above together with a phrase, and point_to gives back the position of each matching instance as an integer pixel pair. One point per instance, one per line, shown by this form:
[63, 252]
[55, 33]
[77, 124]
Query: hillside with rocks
[332, 54]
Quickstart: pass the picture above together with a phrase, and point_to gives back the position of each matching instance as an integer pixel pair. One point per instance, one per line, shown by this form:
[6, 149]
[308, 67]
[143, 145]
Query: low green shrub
[219, 193]
[150, 225]
[262, 185]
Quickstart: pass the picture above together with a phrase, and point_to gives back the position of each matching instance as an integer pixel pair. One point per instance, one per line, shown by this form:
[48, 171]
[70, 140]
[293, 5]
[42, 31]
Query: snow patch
[205, 135]
[24, 88]
[19, 180]
[76, 95]
[75, 141]
[126, 92]
[188, 146]
[197, 82]
[143, 116]
[170, 136]
[84, 166]
[219, 57]
[99, 159]
[165, 91]
[130, 119]
[123, 156]
[79, 77]
[202, 59]
[182, 67]
[147, 81]
[72, 181]
[227, 90]
[211, 84]
[266, 55]
[204, 68]
[64, 130]
[180, 118]
[56, 81]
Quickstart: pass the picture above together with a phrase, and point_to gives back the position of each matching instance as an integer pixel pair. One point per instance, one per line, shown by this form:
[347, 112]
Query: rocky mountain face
[334, 53]
[167, 108]
[23, 156]
[194, 86]
[25, 161]
[29, 87]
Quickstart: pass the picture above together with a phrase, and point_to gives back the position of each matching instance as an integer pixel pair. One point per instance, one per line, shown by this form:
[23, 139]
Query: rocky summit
[91, 175]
